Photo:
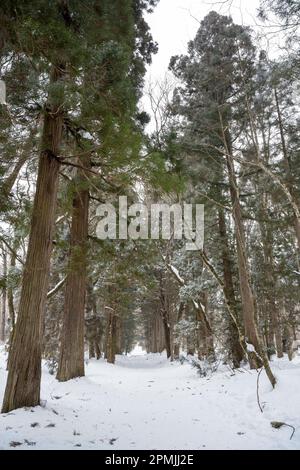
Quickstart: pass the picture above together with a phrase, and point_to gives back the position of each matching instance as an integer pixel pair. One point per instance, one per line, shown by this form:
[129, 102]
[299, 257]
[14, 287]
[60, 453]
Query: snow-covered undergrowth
[144, 402]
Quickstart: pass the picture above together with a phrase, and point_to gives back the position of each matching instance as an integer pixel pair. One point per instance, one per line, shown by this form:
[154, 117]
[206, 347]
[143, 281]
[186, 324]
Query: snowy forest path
[144, 402]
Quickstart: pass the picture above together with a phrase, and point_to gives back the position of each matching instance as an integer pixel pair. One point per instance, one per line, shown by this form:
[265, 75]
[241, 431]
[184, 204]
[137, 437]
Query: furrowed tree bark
[71, 360]
[24, 375]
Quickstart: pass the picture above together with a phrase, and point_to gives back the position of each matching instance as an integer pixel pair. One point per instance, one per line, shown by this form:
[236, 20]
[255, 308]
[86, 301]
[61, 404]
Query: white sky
[175, 22]
[172, 25]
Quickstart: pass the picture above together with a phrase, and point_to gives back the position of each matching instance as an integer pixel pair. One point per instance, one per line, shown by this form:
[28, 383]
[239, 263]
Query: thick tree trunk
[24, 375]
[235, 346]
[71, 360]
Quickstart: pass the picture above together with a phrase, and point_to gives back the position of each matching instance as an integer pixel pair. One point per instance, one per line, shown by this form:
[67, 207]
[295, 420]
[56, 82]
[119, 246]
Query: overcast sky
[172, 25]
[175, 22]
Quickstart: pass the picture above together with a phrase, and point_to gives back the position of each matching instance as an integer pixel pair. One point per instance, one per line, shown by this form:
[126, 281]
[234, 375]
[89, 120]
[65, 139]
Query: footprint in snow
[29, 443]
[15, 444]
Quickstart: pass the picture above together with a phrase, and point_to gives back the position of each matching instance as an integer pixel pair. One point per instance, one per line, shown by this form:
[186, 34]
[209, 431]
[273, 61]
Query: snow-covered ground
[144, 402]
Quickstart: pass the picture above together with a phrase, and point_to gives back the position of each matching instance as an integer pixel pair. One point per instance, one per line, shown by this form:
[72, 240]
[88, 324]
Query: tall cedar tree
[121, 89]
[213, 74]
[57, 37]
